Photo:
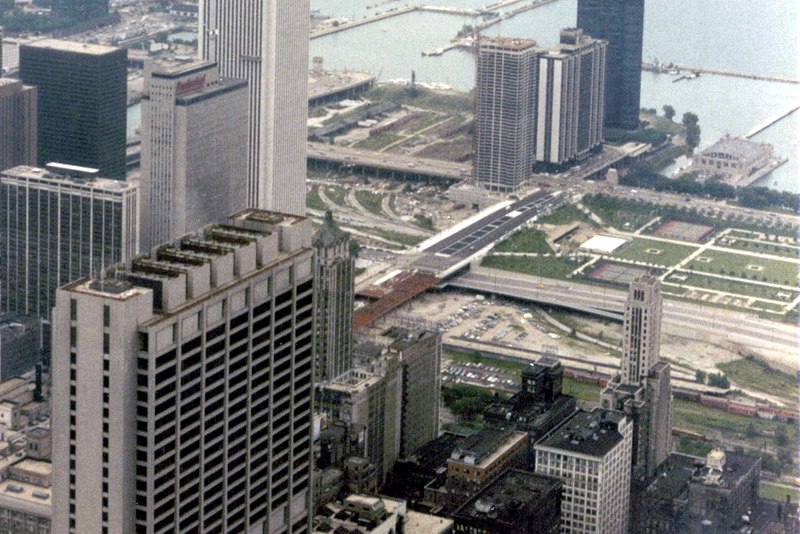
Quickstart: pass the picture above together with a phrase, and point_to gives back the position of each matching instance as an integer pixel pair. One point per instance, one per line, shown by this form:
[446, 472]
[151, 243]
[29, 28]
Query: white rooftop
[603, 244]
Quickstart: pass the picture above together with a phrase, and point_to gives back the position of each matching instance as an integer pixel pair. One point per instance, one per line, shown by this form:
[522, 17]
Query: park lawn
[581, 390]
[378, 142]
[568, 213]
[695, 417]
[337, 195]
[765, 247]
[735, 287]
[313, 201]
[757, 375]
[546, 266]
[626, 215]
[732, 264]
[528, 240]
[424, 120]
[421, 97]
[778, 493]
[637, 250]
[373, 202]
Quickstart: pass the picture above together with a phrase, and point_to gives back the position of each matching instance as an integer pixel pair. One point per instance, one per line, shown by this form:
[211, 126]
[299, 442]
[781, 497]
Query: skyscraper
[641, 342]
[17, 124]
[570, 98]
[194, 148]
[505, 112]
[621, 23]
[591, 453]
[82, 103]
[335, 290]
[58, 228]
[266, 43]
[182, 386]
[643, 390]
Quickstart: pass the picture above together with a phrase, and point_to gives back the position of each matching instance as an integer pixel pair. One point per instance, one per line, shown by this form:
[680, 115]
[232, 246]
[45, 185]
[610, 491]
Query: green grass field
[336, 194]
[778, 493]
[587, 392]
[548, 267]
[378, 142]
[568, 213]
[372, 202]
[731, 286]
[736, 265]
[528, 240]
[313, 201]
[426, 119]
[642, 249]
[761, 377]
[765, 247]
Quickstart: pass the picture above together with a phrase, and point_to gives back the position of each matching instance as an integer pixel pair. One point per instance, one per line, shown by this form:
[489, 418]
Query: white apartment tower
[642, 329]
[194, 148]
[182, 386]
[59, 226]
[266, 43]
[569, 118]
[591, 453]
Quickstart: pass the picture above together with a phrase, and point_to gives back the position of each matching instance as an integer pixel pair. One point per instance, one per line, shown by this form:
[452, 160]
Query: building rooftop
[672, 476]
[511, 44]
[329, 234]
[485, 446]
[737, 147]
[24, 172]
[73, 46]
[35, 466]
[509, 496]
[419, 523]
[22, 495]
[14, 326]
[592, 433]
[723, 469]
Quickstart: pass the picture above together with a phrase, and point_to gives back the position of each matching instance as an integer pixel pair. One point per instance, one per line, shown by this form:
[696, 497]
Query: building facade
[266, 43]
[591, 454]
[20, 345]
[57, 229]
[505, 112]
[194, 149]
[82, 103]
[570, 98]
[621, 23]
[182, 386]
[335, 292]
[17, 123]
[641, 344]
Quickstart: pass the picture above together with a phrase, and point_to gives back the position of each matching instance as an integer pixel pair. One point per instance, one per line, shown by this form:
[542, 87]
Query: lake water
[739, 35]
[712, 33]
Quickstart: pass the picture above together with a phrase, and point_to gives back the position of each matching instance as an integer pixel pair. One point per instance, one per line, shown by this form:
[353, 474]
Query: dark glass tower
[82, 103]
[621, 23]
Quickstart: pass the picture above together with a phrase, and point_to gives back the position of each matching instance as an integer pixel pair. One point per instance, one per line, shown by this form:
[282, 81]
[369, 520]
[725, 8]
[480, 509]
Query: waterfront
[721, 35]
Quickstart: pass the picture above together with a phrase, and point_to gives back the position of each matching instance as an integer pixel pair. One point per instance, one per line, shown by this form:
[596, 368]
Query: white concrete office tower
[182, 386]
[266, 43]
[194, 148]
[57, 227]
[18, 128]
[570, 98]
[505, 112]
[335, 289]
[591, 453]
[641, 344]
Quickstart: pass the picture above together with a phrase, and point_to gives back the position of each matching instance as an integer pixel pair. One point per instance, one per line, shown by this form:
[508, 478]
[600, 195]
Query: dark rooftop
[479, 446]
[592, 433]
[673, 475]
[512, 498]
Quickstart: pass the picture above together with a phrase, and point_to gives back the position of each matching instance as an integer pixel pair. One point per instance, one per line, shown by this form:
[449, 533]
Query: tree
[691, 122]
[751, 430]
[780, 437]
[669, 112]
[718, 380]
[700, 376]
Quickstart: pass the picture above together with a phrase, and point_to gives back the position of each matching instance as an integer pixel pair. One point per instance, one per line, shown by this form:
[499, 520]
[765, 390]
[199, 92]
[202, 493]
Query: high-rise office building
[182, 386]
[58, 228]
[641, 342]
[335, 290]
[570, 98]
[79, 10]
[591, 453]
[643, 390]
[194, 148]
[505, 112]
[82, 91]
[17, 124]
[266, 43]
[621, 23]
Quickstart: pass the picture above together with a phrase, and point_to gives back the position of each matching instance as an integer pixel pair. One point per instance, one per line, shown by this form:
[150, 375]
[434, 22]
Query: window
[106, 315]
[73, 310]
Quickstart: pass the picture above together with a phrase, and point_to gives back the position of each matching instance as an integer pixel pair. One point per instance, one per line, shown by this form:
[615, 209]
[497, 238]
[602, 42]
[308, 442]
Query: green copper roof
[329, 234]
